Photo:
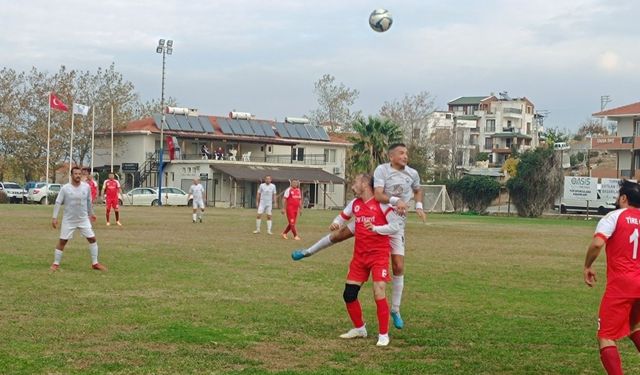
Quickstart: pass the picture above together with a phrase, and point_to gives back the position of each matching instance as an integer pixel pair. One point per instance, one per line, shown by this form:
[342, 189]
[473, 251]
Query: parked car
[149, 197]
[38, 193]
[14, 192]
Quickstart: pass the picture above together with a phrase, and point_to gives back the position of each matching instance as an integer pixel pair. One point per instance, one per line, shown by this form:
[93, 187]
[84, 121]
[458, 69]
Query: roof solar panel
[257, 128]
[157, 118]
[268, 130]
[322, 133]
[184, 123]
[248, 130]
[235, 126]
[195, 124]
[312, 132]
[304, 134]
[224, 125]
[282, 130]
[293, 130]
[171, 123]
[207, 126]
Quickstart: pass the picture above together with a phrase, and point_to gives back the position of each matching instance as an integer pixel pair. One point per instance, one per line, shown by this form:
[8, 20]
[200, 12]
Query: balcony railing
[513, 110]
[307, 159]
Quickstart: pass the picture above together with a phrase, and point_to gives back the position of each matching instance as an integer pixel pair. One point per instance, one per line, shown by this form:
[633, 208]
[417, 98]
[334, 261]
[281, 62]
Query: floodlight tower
[165, 49]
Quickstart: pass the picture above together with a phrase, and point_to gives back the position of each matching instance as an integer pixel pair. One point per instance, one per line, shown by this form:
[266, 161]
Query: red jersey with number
[621, 231]
[293, 197]
[111, 189]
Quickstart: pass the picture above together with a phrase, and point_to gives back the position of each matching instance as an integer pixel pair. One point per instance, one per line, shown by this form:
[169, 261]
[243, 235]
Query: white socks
[269, 222]
[57, 256]
[323, 243]
[194, 217]
[397, 285]
[93, 248]
[258, 221]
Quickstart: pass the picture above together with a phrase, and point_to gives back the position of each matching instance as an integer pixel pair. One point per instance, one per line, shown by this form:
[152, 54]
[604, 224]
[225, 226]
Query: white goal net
[436, 199]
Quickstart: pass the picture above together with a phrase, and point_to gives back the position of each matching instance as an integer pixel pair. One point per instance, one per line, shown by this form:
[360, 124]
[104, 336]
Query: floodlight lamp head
[159, 49]
[169, 43]
[169, 51]
[161, 42]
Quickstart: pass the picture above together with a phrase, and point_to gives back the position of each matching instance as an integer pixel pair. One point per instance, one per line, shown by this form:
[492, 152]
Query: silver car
[149, 197]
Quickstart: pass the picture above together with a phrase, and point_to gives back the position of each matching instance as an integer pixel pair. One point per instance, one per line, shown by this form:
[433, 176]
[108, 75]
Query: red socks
[108, 214]
[117, 215]
[355, 313]
[383, 315]
[611, 360]
[293, 230]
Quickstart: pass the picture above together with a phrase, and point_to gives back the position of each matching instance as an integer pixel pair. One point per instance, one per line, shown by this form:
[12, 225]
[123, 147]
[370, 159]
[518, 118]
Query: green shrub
[3, 197]
[476, 192]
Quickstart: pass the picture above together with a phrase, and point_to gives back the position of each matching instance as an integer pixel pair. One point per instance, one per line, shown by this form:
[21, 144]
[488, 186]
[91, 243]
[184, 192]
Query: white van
[599, 206]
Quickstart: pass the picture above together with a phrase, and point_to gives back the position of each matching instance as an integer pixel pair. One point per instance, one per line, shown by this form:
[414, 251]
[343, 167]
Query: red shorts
[112, 203]
[361, 267]
[292, 216]
[617, 316]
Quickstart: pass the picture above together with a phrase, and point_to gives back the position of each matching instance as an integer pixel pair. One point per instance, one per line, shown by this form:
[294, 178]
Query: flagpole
[93, 130]
[73, 112]
[112, 138]
[46, 196]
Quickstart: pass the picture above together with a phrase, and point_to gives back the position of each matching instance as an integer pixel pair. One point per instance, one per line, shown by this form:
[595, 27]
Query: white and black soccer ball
[380, 20]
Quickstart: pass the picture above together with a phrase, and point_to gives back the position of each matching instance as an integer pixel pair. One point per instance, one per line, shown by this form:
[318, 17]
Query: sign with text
[204, 176]
[129, 167]
[584, 188]
[609, 189]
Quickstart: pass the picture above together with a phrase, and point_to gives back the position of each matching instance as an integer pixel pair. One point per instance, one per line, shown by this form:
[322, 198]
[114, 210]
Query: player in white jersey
[265, 198]
[394, 183]
[78, 214]
[197, 196]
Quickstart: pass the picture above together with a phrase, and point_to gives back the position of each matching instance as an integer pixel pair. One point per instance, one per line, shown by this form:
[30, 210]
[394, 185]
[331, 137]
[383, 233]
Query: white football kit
[77, 210]
[401, 184]
[197, 193]
[266, 198]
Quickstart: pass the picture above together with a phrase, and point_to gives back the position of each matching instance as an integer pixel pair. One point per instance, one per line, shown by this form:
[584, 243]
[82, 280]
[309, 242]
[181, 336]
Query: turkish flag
[56, 103]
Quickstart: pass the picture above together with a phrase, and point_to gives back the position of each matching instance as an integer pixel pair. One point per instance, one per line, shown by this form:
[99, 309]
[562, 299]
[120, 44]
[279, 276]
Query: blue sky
[264, 56]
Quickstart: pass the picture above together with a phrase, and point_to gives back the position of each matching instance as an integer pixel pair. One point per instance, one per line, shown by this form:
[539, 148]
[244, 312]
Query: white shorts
[264, 208]
[66, 230]
[199, 203]
[397, 240]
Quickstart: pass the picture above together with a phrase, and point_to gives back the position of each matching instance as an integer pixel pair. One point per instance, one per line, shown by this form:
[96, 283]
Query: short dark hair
[86, 169]
[74, 168]
[632, 191]
[393, 146]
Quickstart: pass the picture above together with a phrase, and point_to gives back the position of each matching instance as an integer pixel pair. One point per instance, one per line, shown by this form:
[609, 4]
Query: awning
[277, 173]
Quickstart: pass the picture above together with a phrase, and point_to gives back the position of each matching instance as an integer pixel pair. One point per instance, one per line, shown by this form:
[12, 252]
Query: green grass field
[483, 295]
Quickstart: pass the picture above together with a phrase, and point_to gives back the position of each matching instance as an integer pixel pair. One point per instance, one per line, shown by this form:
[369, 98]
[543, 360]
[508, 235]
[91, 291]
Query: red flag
[56, 103]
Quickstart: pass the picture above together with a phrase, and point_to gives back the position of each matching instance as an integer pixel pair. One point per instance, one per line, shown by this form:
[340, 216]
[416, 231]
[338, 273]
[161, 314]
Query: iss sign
[583, 188]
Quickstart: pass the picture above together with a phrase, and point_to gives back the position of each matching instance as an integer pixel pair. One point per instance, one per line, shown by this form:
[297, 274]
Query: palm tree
[374, 136]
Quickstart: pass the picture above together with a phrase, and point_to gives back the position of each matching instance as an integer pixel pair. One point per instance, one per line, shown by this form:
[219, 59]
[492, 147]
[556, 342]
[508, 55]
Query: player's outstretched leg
[323, 243]
[397, 286]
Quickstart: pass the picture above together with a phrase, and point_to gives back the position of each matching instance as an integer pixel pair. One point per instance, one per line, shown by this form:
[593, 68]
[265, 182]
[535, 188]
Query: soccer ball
[380, 20]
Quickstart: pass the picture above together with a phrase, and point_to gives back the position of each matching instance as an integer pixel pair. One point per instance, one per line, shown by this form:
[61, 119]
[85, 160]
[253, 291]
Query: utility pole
[454, 147]
[604, 100]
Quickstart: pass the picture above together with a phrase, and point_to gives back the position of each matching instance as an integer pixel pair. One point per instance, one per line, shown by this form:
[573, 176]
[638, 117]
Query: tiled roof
[467, 100]
[625, 110]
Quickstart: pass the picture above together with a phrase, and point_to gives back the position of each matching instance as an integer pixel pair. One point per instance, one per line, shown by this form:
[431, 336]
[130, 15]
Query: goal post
[436, 199]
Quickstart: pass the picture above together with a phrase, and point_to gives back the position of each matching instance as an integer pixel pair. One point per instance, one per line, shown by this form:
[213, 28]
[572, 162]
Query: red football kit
[293, 197]
[372, 248]
[111, 190]
[620, 306]
[94, 189]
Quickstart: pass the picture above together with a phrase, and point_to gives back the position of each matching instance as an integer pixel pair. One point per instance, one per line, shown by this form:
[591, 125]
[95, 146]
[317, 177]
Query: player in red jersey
[292, 206]
[88, 179]
[619, 314]
[111, 189]
[374, 223]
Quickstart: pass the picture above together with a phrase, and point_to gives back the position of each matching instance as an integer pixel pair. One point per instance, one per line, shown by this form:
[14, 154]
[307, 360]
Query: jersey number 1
[634, 238]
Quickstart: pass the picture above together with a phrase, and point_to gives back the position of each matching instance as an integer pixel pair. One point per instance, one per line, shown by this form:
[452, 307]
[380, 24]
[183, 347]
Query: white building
[249, 150]
[502, 124]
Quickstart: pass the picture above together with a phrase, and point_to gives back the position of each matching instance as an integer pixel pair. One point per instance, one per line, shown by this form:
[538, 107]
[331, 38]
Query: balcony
[307, 159]
[614, 143]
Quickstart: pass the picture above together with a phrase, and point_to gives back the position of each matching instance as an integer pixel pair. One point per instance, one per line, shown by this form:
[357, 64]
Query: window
[416, 133]
[488, 143]
[329, 155]
[636, 130]
[297, 153]
[529, 109]
[490, 126]
[447, 116]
